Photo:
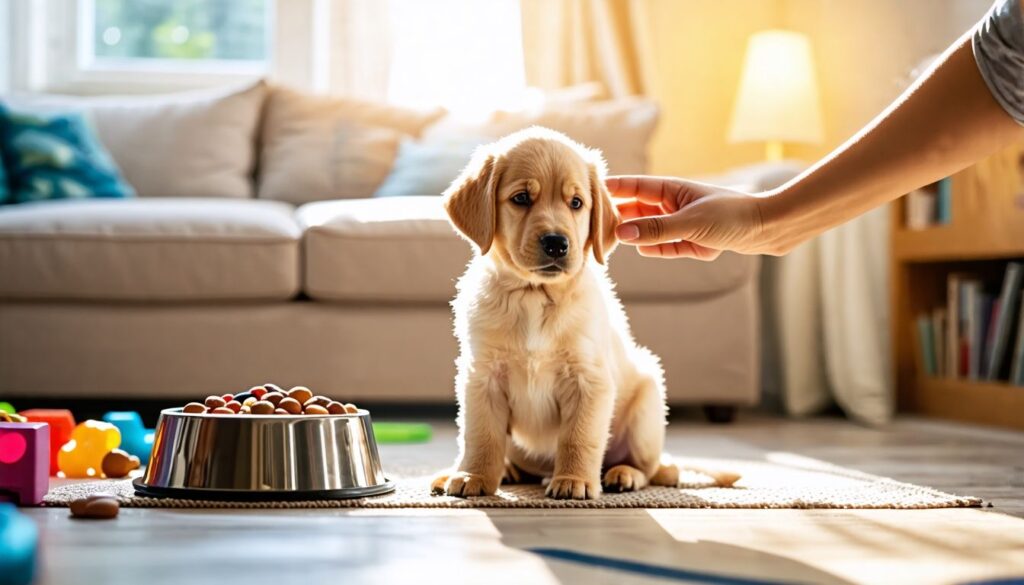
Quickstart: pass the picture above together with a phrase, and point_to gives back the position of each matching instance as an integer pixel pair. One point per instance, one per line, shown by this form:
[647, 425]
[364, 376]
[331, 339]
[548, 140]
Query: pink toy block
[24, 462]
[61, 422]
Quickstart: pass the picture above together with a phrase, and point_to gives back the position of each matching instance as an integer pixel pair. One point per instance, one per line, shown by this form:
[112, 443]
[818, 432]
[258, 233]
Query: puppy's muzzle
[555, 246]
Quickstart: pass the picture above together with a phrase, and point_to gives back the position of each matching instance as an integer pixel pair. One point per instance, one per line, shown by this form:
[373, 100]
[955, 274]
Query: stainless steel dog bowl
[263, 457]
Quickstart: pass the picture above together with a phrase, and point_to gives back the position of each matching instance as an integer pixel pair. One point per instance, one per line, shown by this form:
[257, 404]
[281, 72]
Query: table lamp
[778, 96]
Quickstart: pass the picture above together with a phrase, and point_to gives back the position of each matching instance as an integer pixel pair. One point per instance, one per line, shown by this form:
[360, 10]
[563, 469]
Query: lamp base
[773, 151]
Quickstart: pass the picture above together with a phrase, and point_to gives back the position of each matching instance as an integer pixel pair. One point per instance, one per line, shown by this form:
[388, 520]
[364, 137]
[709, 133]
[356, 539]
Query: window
[184, 35]
[466, 55]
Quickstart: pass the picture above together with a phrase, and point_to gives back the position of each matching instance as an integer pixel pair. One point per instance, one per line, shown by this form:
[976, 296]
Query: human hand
[665, 217]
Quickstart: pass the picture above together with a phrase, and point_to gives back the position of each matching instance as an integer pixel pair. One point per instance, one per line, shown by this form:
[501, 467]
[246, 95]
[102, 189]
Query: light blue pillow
[428, 167]
[56, 156]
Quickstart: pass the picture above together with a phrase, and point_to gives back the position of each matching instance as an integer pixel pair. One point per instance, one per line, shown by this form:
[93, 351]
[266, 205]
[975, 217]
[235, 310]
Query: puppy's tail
[668, 474]
[722, 478]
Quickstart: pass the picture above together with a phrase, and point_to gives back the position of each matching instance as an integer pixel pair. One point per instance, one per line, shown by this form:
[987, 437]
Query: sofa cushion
[385, 249]
[189, 144]
[403, 249]
[149, 249]
[316, 148]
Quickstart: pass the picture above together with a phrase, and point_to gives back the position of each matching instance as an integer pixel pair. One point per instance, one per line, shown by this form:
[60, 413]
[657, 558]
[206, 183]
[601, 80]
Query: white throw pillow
[620, 128]
[317, 148]
[188, 144]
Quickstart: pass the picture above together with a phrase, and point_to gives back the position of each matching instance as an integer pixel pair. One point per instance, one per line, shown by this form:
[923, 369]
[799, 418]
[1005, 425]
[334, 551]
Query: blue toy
[19, 541]
[135, 439]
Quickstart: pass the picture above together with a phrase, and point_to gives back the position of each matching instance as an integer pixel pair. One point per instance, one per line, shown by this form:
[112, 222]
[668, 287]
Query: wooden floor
[596, 546]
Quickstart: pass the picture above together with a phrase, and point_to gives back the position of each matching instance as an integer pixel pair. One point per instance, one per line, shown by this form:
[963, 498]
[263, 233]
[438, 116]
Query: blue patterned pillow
[56, 156]
[5, 191]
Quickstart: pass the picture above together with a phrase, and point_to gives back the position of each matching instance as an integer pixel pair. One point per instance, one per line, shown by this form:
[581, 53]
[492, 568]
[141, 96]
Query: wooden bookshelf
[986, 230]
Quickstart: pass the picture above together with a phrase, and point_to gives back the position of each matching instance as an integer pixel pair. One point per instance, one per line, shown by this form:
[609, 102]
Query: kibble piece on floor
[119, 463]
[315, 409]
[97, 506]
[290, 405]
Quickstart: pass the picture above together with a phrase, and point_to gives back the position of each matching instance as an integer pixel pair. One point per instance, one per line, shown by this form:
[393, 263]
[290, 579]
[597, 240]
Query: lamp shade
[778, 96]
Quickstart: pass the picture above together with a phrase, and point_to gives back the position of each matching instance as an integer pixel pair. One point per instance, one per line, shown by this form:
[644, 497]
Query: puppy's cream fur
[550, 381]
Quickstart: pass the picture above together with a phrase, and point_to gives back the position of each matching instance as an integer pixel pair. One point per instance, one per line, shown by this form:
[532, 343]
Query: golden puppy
[550, 382]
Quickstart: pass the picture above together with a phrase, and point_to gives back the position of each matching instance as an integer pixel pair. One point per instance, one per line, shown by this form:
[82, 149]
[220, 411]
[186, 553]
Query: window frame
[47, 42]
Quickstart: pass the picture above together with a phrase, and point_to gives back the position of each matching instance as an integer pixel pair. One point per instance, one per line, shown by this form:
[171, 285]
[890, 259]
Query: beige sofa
[171, 296]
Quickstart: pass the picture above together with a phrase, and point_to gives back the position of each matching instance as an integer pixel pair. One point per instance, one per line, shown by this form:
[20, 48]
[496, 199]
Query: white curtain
[827, 312]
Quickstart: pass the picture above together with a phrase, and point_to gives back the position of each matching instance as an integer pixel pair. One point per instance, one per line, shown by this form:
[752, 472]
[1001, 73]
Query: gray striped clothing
[999, 50]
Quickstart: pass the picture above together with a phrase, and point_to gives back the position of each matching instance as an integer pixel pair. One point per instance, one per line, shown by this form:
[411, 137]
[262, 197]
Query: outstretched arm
[946, 121]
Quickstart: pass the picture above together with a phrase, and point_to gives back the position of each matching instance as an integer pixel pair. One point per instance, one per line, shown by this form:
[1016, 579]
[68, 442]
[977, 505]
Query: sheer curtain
[569, 42]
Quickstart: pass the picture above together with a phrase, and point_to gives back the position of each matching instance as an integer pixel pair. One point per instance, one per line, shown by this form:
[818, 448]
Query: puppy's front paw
[624, 478]
[462, 484]
[564, 487]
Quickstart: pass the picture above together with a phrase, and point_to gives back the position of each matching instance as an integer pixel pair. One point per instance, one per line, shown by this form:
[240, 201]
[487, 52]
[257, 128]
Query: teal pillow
[56, 156]
[5, 191]
[428, 167]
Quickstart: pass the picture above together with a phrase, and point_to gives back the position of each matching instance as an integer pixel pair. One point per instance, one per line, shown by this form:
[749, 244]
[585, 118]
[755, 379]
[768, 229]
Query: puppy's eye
[576, 203]
[521, 198]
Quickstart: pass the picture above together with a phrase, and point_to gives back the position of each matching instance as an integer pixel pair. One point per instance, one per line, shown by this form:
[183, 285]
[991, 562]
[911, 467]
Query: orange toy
[61, 422]
[82, 456]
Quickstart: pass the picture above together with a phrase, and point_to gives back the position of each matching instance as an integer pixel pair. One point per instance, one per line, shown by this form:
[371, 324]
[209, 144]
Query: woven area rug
[788, 482]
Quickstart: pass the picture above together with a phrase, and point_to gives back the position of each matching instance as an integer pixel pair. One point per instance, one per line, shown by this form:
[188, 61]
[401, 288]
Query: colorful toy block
[24, 462]
[61, 422]
[6, 407]
[90, 442]
[19, 543]
[135, 438]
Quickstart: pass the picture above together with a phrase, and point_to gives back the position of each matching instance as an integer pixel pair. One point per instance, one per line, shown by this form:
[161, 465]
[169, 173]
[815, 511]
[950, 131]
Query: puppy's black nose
[555, 245]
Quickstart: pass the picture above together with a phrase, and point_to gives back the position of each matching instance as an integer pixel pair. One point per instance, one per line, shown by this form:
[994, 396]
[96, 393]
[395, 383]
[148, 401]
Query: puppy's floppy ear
[470, 201]
[603, 217]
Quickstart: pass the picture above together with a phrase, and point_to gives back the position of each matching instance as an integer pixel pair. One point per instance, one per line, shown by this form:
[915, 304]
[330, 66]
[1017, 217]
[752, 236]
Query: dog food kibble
[290, 405]
[262, 400]
[119, 463]
[214, 402]
[98, 506]
[317, 400]
[262, 407]
[300, 393]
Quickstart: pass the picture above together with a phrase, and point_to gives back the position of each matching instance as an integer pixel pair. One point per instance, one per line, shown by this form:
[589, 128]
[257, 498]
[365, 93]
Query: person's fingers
[657, 229]
[634, 209]
[680, 249]
[646, 189]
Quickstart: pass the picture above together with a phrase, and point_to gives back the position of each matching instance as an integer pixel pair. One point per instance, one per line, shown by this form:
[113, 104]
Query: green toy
[6, 407]
[396, 432]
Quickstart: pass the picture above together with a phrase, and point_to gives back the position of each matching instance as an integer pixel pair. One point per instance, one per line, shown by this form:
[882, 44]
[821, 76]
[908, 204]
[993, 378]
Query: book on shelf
[925, 345]
[929, 206]
[1005, 320]
[976, 335]
[1017, 367]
